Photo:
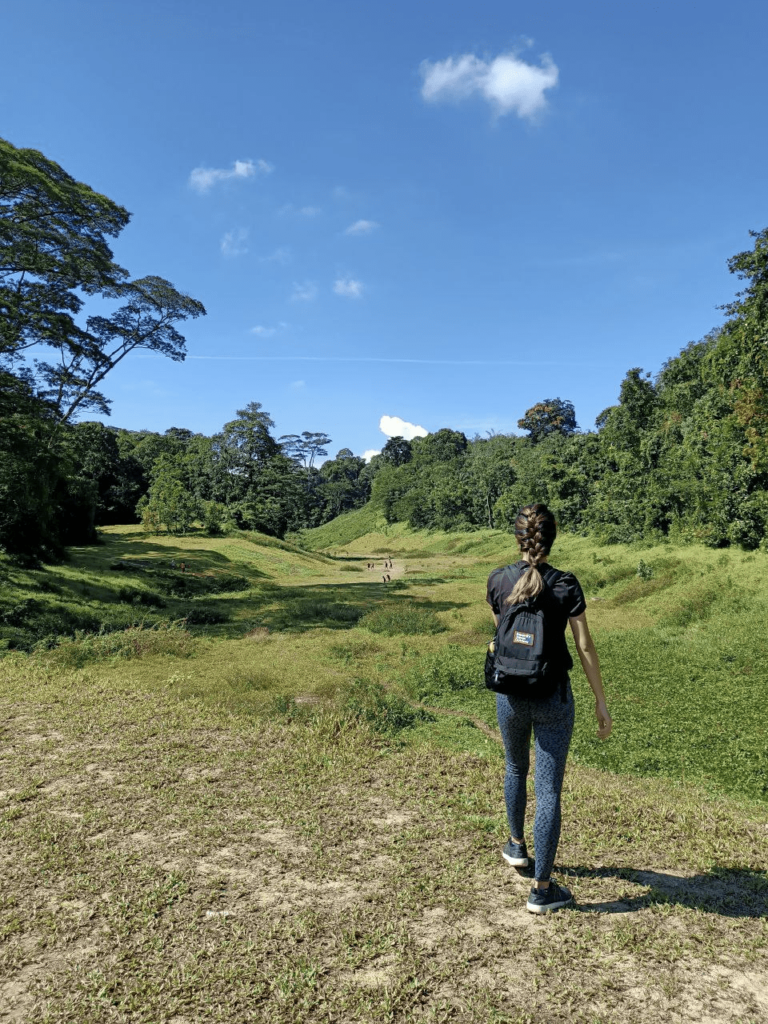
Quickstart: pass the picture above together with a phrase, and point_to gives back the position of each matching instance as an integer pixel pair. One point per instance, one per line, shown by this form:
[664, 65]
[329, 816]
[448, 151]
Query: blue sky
[437, 211]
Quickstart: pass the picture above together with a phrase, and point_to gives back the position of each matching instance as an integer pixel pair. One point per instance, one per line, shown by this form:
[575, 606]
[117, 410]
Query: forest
[695, 435]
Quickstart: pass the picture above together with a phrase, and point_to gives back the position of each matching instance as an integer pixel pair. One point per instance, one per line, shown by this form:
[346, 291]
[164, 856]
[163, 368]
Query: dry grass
[217, 838]
[163, 862]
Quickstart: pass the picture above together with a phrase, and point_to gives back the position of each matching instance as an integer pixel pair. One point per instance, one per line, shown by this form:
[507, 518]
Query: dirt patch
[260, 633]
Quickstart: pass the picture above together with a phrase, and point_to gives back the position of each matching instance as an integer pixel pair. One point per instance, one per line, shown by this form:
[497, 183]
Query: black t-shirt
[566, 590]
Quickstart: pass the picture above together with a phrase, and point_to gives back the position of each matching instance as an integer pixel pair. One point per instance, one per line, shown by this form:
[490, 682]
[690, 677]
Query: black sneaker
[552, 898]
[515, 854]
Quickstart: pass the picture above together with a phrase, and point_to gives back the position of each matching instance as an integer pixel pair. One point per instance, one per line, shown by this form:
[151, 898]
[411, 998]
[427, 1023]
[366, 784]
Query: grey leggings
[552, 724]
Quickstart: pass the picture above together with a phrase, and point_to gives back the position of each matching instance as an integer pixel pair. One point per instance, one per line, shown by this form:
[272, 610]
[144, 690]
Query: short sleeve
[575, 602]
[493, 597]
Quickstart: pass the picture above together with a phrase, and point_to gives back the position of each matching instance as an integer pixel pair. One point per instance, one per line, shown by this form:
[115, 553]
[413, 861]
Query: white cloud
[281, 256]
[297, 385]
[361, 227]
[301, 211]
[348, 287]
[304, 291]
[370, 452]
[233, 242]
[506, 82]
[268, 332]
[204, 178]
[393, 426]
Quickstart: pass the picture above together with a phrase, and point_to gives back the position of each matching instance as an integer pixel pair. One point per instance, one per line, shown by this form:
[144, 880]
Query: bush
[370, 704]
[31, 621]
[138, 641]
[451, 669]
[189, 585]
[204, 617]
[141, 598]
[404, 618]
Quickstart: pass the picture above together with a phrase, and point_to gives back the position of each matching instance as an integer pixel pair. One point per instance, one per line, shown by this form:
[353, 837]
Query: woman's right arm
[589, 662]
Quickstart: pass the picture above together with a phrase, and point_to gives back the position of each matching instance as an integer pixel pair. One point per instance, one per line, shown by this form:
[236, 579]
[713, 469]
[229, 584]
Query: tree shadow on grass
[138, 555]
[729, 892]
[334, 605]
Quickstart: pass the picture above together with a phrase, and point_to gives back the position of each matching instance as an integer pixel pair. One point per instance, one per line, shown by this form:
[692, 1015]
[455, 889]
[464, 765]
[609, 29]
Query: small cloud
[297, 385]
[204, 178]
[370, 452]
[281, 256]
[261, 331]
[508, 83]
[233, 243]
[304, 291]
[348, 287]
[393, 426]
[300, 211]
[361, 227]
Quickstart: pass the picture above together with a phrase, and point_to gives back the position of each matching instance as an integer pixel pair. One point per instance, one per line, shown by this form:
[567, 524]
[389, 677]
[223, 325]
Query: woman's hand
[604, 720]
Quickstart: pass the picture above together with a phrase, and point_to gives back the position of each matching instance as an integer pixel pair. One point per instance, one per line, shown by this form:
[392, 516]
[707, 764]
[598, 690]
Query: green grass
[238, 807]
[168, 861]
[679, 630]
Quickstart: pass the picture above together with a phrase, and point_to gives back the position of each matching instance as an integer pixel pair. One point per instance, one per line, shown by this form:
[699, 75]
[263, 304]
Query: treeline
[684, 454]
[241, 477]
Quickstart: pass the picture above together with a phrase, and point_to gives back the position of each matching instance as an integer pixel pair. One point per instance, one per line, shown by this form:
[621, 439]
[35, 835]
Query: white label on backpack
[523, 638]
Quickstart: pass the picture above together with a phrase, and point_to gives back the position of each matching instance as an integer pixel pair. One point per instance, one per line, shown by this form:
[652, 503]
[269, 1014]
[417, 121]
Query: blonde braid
[535, 530]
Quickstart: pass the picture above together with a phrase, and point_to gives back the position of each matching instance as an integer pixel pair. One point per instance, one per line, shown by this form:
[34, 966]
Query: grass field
[222, 797]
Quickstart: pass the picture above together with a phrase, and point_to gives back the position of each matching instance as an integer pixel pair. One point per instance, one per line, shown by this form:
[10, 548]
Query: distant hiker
[173, 563]
[532, 603]
[183, 567]
[383, 579]
[388, 578]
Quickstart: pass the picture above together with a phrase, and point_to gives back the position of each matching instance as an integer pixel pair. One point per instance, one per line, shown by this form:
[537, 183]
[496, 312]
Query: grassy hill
[224, 796]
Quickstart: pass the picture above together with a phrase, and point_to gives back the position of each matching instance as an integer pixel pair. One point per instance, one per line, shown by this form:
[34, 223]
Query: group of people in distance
[386, 564]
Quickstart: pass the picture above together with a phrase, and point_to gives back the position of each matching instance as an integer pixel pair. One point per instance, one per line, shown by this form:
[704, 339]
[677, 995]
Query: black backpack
[527, 657]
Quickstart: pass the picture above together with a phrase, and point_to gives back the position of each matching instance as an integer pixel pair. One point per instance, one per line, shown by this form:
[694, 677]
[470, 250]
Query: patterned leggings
[552, 724]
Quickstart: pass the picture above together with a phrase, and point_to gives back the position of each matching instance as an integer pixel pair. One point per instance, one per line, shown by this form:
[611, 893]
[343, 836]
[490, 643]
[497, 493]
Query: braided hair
[535, 531]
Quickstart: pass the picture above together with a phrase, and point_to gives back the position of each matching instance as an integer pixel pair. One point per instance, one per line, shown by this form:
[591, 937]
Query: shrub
[204, 617]
[190, 585]
[403, 618]
[370, 704]
[138, 641]
[312, 611]
[141, 598]
[31, 621]
[446, 671]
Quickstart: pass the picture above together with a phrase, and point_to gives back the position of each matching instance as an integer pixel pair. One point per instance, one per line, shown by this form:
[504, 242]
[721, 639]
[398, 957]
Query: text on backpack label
[523, 638]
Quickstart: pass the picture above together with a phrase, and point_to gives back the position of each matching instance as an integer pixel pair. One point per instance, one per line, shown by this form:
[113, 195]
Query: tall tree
[54, 250]
[552, 416]
[306, 448]
[53, 246]
[397, 451]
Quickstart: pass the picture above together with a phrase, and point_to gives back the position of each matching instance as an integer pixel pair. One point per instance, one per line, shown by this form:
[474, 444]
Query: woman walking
[551, 716]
